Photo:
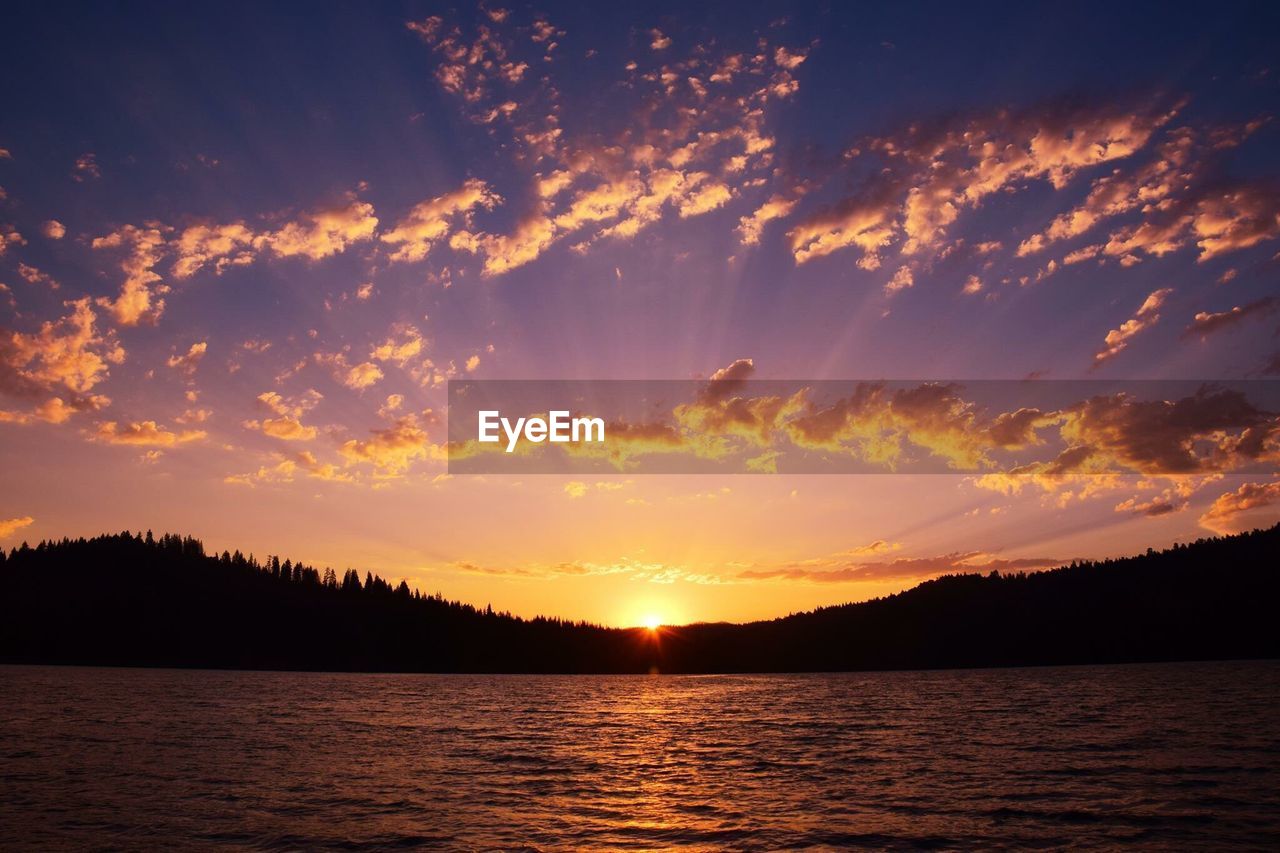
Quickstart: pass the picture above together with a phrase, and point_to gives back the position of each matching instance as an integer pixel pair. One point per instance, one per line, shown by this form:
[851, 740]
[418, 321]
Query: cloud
[1236, 220]
[143, 434]
[728, 380]
[1206, 323]
[839, 569]
[56, 410]
[9, 236]
[705, 199]
[1223, 514]
[69, 353]
[286, 428]
[392, 450]
[751, 227]
[10, 526]
[930, 175]
[140, 299]
[1120, 193]
[315, 235]
[1148, 315]
[31, 275]
[877, 424]
[403, 345]
[223, 245]
[287, 467]
[490, 65]
[865, 223]
[1018, 429]
[788, 59]
[186, 364]
[902, 279]
[505, 253]
[294, 407]
[363, 375]
[1162, 437]
[1216, 219]
[194, 416]
[430, 221]
[287, 423]
[53, 229]
[692, 144]
[324, 232]
[754, 419]
[86, 168]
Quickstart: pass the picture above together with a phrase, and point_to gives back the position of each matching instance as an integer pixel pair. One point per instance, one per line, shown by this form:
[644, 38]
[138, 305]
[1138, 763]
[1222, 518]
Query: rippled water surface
[1172, 755]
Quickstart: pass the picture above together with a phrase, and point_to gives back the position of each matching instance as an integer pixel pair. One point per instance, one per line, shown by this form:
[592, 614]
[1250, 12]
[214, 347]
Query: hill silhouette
[136, 600]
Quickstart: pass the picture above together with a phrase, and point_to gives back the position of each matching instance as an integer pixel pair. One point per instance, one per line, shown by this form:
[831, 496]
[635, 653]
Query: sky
[243, 251]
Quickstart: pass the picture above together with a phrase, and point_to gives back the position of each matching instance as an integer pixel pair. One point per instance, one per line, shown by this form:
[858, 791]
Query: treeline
[133, 599]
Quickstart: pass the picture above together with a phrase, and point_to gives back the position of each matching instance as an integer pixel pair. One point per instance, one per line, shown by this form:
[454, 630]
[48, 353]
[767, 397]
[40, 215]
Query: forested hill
[134, 600]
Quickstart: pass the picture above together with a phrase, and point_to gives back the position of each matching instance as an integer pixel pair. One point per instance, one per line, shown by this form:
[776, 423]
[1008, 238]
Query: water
[1174, 755]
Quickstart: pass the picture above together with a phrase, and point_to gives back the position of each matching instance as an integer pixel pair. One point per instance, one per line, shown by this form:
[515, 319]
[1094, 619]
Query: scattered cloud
[1148, 315]
[143, 434]
[187, 363]
[86, 168]
[69, 354]
[10, 526]
[1206, 323]
[1224, 514]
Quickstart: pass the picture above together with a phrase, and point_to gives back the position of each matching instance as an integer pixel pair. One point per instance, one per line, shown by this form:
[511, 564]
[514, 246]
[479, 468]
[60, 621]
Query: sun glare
[652, 622]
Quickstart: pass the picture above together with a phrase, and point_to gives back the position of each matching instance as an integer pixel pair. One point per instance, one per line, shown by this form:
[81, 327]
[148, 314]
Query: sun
[652, 622]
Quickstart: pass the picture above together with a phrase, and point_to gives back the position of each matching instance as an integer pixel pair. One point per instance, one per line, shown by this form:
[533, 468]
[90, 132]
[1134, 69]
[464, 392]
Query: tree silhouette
[132, 599]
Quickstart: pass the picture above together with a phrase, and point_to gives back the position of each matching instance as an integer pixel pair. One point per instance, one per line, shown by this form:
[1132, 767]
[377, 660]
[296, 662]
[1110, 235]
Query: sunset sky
[242, 252]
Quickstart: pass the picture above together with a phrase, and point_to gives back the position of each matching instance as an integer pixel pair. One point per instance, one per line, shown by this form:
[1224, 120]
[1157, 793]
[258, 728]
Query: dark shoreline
[726, 674]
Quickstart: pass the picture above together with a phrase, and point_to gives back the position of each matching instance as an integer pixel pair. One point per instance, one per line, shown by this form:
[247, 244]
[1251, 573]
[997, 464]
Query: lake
[1168, 755]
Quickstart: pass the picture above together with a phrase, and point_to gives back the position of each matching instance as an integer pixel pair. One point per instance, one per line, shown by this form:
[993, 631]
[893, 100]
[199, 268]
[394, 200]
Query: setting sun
[652, 622]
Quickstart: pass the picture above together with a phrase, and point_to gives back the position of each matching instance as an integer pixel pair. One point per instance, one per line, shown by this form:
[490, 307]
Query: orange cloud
[223, 245]
[430, 221]
[1223, 514]
[1119, 193]
[143, 434]
[315, 235]
[405, 344]
[1148, 315]
[752, 226]
[186, 364]
[598, 189]
[9, 236]
[392, 450]
[140, 299]
[324, 232]
[69, 353]
[287, 423]
[931, 176]
[10, 526]
[362, 376]
[56, 410]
